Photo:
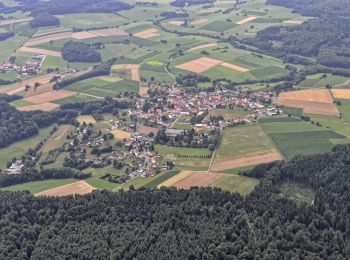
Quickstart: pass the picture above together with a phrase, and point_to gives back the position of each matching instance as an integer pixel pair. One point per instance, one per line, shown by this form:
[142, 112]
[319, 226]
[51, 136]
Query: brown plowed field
[199, 65]
[48, 96]
[245, 161]
[318, 95]
[176, 23]
[341, 93]
[86, 119]
[311, 107]
[149, 33]
[246, 20]
[44, 107]
[40, 51]
[119, 134]
[79, 187]
[134, 70]
[47, 87]
[47, 38]
[19, 87]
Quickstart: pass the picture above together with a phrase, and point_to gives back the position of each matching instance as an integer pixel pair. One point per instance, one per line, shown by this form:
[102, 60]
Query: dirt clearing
[44, 107]
[293, 22]
[40, 51]
[341, 93]
[86, 119]
[207, 45]
[147, 33]
[79, 187]
[247, 20]
[246, 161]
[119, 134]
[143, 129]
[48, 96]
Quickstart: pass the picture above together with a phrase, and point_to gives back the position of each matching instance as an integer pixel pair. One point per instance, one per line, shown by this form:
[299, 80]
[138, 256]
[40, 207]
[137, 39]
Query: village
[30, 67]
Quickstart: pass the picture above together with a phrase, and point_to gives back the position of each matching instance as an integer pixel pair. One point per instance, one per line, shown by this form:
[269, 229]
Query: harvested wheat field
[86, 119]
[178, 177]
[199, 65]
[246, 161]
[247, 20]
[47, 106]
[79, 187]
[207, 45]
[98, 33]
[145, 130]
[32, 91]
[176, 23]
[19, 87]
[149, 33]
[188, 179]
[119, 134]
[133, 69]
[317, 101]
[40, 51]
[199, 22]
[47, 38]
[293, 22]
[48, 96]
[311, 107]
[234, 67]
[341, 93]
[317, 95]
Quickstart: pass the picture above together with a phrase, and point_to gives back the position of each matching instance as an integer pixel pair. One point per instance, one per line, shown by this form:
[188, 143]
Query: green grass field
[236, 183]
[102, 184]
[38, 186]
[163, 149]
[243, 141]
[18, 149]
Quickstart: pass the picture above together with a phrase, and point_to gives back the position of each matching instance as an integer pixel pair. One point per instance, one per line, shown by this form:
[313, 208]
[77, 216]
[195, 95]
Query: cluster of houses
[258, 104]
[31, 66]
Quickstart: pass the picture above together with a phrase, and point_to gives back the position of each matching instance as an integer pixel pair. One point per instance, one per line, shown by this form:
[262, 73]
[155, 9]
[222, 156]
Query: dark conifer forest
[200, 223]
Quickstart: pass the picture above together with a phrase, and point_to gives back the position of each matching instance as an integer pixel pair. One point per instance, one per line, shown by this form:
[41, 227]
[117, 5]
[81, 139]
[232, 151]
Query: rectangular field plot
[243, 146]
[101, 88]
[235, 183]
[218, 26]
[304, 143]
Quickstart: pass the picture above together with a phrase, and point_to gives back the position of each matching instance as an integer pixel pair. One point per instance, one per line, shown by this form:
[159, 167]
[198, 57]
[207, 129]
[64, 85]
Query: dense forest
[326, 37]
[77, 6]
[79, 52]
[200, 223]
[16, 125]
[44, 19]
[5, 35]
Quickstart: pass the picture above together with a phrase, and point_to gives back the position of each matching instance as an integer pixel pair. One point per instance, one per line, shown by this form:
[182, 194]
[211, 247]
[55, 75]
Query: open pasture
[300, 137]
[79, 187]
[243, 146]
[143, 129]
[57, 139]
[235, 183]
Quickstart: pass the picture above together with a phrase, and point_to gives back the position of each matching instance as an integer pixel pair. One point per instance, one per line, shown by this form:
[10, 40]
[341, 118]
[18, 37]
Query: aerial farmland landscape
[174, 129]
